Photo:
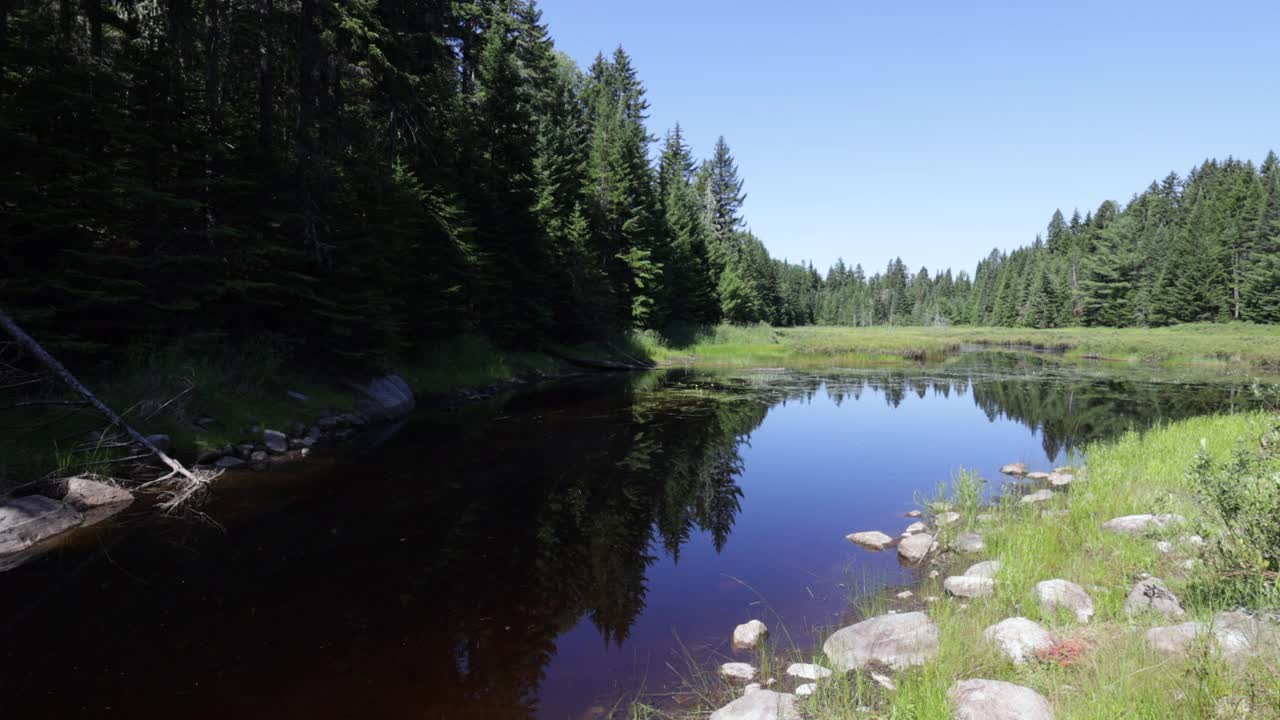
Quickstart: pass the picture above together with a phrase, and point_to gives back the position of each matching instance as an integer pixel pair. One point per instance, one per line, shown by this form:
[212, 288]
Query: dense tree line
[354, 179]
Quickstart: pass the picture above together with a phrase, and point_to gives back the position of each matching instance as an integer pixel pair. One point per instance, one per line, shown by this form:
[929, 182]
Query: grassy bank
[1234, 344]
[1110, 673]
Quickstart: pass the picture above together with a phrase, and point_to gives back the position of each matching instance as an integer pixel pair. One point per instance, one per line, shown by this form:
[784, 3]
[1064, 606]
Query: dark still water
[543, 555]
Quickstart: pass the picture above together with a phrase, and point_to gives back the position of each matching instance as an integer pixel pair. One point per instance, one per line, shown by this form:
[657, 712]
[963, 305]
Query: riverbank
[1143, 626]
[1233, 345]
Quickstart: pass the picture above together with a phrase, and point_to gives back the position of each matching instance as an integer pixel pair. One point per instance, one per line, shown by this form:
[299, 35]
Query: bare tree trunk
[39, 353]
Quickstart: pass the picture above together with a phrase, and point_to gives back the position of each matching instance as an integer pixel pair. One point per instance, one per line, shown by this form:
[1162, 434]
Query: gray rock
[295, 395]
[870, 540]
[913, 514]
[1138, 524]
[1038, 496]
[96, 500]
[808, 671]
[884, 681]
[275, 441]
[230, 462]
[1058, 478]
[905, 595]
[1019, 638]
[1055, 594]
[997, 700]
[162, 442]
[388, 397]
[32, 519]
[1241, 636]
[1037, 476]
[968, 586]
[750, 688]
[913, 549]
[947, 518]
[898, 641]
[969, 542]
[1151, 595]
[1016, 468]
[760, 705]
[258, 456]
[749, 635]
[806, 689]
[984, 569]
[738, 671]
[1175, 639]
[915, 527]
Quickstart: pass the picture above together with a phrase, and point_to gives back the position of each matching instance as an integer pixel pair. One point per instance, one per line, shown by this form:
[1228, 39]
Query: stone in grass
[1151, 595]
[870, 540]
[1237, 635]
[984, 569]
[1019, 638]
[968, 586]
[749, 635]
[1050, 514]
[760, 705]
[1016, 468]
[806, 689]
[1138, 524]
[1038, 476]
[905, 595]
[1058, 593]
[1164, 547]
[947, 518]
[913, 549]
[750, 688]
[738, 671]
[898, 641]
[1038, 496]
[997, 700]
[986, 517]
[1058, 479]
[808, 671]
[915, 527]
[969, 542]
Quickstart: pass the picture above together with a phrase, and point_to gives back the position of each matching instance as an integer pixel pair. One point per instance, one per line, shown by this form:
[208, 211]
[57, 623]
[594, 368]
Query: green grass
[1227, 344]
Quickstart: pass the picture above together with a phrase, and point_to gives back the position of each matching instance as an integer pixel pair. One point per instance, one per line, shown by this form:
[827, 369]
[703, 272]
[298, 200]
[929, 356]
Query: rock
[31, 519]
[932, 598]
[968, 586]
[295, 395]
[915, 527]
[984, 569]
[258, 457]
[230, 462]
[1016, 468]
[309, 441]
[986, 518]
[914, 548]
[1038, 496]
[162, 442]
[389, 397]
[933, 574]
[808, 671]
[1164, 547]
[1058, 479]
[296, 444]
[969, 542]
[738, 671]
[1037, 476]
[275, 441]
[1194, 541]
[245, 450]
[749, 635]
[898, 641]
[997, 700]
[870, 540]
[1151, 595]
[913, 514]
[905, 595]
[208, 457]
[806, 689]
[947, 518]
[1174, 639]
[97, 501]
[1241, 636]
[1018, 638]
[750, 688]
[1138, 524]
[760, 705]
[1055, 594]
[884, 681]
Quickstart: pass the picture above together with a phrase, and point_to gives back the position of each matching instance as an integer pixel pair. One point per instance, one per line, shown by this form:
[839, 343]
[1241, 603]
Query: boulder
[808, 671]
[913, 549]
[915, 527]
[275, 441]
[1037, 476]
[32, 519]
[1151, 595]
[1055, 594]
[750, 688]
[870, 540]
[968, 586]
[898, 641]
[969, 542]
[1038, 496]
[388, 397]
[749, 635]
[760, 705]
[806, 689]
[96, 500]
[997, 700]
[738, 671]
[1016, 468]
[1058, 479]
[984, 569]
[1241, 636]
[1138, 524]
[947, 518]
[1019, 638]
[1174, 639]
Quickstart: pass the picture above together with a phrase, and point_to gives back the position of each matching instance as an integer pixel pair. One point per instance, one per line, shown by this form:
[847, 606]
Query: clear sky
[936, 131]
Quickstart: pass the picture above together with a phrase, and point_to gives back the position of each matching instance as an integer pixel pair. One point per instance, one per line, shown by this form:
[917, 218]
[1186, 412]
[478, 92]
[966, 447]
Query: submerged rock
[913, 549]
[1138, 524]
[760, 705]
[997, 700]
[1151, 595]
[984, 569]
[870, 540]
[1019, 638]
[1016, 468]
[1055, 594]
[913, 514]
[749, 634]
[915, 527]
[96, 500]
[969, 586]
[1038, 496]
[808, 671]
[32, 519]
[898, 641]
[969, 542]
[738, 671]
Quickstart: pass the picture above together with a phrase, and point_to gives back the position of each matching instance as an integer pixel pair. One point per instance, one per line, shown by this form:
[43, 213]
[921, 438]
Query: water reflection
[443, 575]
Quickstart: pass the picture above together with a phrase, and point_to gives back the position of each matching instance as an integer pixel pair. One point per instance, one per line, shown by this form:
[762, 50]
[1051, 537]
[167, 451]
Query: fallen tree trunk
[592, 364]
[192, 482]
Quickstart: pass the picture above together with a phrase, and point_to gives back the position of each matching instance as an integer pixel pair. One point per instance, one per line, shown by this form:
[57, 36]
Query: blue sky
[935, 131]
